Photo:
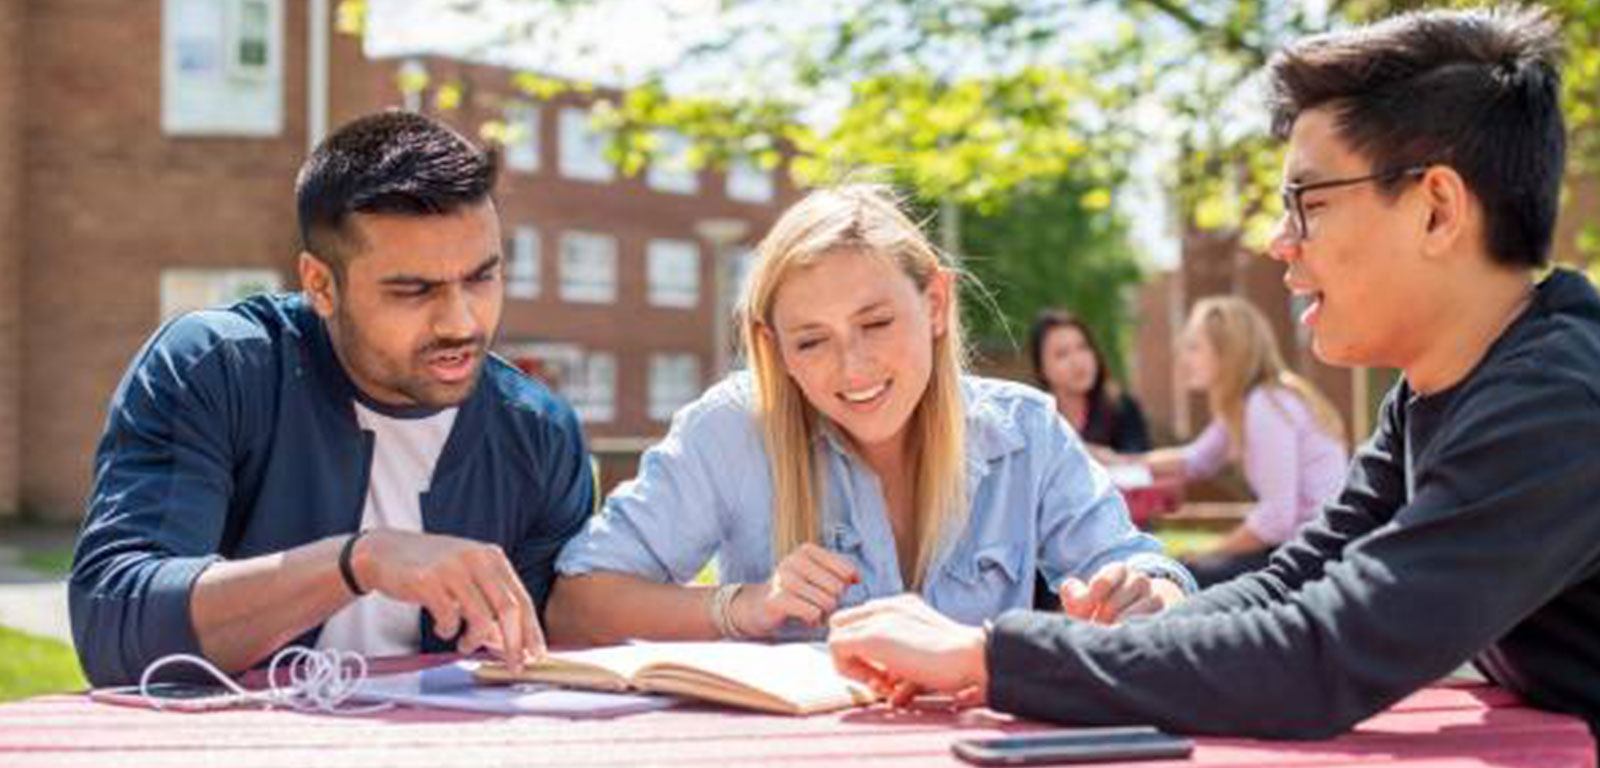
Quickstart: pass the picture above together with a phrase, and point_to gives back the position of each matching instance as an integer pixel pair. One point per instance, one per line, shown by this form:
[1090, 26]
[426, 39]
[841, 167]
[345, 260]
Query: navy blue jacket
[233, 435]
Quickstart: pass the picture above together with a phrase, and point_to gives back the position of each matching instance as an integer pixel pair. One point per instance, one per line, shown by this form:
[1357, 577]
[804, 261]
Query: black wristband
[346, 569]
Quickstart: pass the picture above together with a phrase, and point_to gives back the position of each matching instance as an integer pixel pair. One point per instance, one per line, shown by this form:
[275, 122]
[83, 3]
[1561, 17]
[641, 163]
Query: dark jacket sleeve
[1498, 523]
[568, 499]
[163, 477]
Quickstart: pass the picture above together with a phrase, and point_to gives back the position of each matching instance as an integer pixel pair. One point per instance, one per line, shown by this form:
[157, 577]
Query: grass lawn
[1181, 541]
[51, 562]
[32, 665]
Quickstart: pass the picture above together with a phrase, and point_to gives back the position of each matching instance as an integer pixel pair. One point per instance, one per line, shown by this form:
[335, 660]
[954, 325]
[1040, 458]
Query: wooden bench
[1204, 516]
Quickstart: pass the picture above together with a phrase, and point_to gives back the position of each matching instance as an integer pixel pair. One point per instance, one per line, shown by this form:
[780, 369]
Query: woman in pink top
[1286, 436]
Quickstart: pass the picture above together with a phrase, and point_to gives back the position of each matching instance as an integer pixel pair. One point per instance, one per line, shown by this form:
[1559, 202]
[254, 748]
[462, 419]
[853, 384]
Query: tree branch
[1230, 38]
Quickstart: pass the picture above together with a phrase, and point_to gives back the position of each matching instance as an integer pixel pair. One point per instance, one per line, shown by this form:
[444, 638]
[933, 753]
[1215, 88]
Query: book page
[794, 677]
[609, 668]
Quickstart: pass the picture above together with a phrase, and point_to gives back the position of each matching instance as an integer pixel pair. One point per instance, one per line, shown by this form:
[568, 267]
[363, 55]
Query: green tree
[979, 104]
[1045, 248]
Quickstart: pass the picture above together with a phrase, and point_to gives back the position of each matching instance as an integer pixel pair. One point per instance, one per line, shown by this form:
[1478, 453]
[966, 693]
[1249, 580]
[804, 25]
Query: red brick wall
[112, 201]
[12, 60]
[1152, 372]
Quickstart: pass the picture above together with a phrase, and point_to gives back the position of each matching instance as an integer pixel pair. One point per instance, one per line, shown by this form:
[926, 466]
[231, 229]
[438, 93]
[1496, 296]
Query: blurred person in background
[1285, 435]
[1068, 364]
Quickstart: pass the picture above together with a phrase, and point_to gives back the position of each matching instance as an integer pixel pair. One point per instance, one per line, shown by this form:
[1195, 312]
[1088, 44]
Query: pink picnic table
[1444, 725]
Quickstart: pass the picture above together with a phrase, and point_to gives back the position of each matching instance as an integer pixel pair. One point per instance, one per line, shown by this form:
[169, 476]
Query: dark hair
[391, 162]
[1478, 91]
[1100, 405]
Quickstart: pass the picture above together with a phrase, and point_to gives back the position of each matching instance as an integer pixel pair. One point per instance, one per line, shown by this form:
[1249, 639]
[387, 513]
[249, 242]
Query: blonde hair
[864, 220]
[1247, 357]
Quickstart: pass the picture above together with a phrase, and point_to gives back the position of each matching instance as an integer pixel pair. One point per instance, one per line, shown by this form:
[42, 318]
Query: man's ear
[1452, 210]
[938, 294]
[319, 283]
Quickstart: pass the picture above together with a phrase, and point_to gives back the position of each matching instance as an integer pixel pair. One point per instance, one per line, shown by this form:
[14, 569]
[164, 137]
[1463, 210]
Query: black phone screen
[1076, 745]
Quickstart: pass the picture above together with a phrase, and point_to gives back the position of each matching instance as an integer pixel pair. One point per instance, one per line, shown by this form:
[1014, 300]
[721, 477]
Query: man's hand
[1117, 591]
[902, 647]
[806, 585]
[455, 580]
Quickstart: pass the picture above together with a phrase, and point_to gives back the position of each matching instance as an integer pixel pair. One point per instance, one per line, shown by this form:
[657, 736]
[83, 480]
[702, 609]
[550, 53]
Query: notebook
[452, 686]
[790, 679]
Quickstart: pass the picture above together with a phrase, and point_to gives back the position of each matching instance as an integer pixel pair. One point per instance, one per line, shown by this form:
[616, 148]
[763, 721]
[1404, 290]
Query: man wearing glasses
[1423, 176]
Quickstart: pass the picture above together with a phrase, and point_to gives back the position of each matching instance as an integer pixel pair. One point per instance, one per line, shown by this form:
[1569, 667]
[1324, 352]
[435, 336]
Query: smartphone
[1078, 745]
[183, 697]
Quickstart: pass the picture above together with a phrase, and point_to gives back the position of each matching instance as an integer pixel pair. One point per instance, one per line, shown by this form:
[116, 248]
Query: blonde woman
[855, 460]
[1287, 437]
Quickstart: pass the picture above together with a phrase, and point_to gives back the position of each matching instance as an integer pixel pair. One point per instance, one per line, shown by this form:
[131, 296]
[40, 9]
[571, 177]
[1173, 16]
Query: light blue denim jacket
[1039, 503]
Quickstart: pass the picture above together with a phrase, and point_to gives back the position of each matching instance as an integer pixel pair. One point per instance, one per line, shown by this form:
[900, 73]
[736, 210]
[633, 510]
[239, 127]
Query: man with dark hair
[267, 465]
[1423, 169]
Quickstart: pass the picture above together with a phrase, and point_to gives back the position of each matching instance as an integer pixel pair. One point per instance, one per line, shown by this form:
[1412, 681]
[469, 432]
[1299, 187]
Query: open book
[791, 679]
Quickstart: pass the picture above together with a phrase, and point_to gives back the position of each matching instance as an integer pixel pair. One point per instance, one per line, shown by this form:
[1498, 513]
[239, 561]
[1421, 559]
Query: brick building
[147, 157]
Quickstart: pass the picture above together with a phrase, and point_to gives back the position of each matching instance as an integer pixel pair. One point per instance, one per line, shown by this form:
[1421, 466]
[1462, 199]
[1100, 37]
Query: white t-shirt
[404, 453]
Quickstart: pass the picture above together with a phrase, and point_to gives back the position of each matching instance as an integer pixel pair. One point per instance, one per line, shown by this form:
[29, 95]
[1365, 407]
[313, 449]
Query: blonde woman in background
[854, 460]
[1284, 434]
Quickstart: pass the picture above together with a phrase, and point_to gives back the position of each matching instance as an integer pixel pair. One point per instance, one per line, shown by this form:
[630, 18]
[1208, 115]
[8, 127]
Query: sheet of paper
[451, 687]
[1127, 476]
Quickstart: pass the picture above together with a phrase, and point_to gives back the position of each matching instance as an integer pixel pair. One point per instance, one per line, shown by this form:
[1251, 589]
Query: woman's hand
[807, 585]
[1115, 592]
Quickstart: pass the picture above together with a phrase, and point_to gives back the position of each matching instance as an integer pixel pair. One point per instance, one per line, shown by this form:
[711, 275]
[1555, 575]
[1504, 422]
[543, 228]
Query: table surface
[1446, 725]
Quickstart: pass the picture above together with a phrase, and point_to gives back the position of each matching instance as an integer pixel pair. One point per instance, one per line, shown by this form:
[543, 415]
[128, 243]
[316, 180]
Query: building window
[741, 258]
[186, 290]
[583, 148]
[674, 382]
[669, 170]
[674, 273]
[522, 270]
[522, 137]
[587, 381]
[749, 183]
[595, 397]
[222, 67]
[588, 268]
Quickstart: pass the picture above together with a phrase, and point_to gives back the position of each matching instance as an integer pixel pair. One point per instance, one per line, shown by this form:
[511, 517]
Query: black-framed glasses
[1294, 194]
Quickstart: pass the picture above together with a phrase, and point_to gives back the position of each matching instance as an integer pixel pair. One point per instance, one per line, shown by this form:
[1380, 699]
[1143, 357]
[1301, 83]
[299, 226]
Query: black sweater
[1469, 528]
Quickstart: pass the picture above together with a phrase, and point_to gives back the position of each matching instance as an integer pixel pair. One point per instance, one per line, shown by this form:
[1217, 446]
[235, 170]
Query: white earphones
[317, 681]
